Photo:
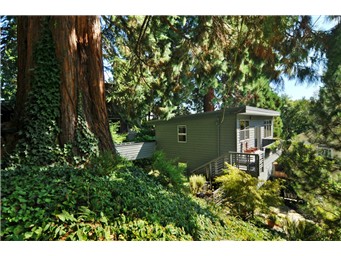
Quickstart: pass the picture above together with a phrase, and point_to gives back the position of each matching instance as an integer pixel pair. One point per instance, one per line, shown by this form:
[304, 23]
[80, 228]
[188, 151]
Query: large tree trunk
[208, 100]
[77, 42]
[28, 34]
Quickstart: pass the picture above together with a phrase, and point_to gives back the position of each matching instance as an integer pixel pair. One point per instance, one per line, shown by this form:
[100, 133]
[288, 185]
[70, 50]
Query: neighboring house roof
[244, 110]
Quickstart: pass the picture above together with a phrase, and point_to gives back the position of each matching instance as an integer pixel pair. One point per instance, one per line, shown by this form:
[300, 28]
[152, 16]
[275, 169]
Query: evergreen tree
[327, 108]
[176, 64]
[296, 117]
[9, 56]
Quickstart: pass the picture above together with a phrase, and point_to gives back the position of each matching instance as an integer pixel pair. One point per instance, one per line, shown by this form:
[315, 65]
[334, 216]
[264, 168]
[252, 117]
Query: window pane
[242, 135]
[182, 129]
[182, 138]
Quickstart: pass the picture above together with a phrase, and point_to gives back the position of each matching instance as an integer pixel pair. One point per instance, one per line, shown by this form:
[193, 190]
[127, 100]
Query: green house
[242, 136]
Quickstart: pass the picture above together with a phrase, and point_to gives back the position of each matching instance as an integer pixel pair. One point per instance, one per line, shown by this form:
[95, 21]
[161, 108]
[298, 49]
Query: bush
[299, 230]
[196, 183]
[121, 202]
[241, 194]
[117, 137]
[142, 134]
[167, 172]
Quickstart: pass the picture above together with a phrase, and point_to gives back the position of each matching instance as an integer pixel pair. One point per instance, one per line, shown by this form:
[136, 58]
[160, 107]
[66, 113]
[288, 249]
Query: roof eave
[252, 111]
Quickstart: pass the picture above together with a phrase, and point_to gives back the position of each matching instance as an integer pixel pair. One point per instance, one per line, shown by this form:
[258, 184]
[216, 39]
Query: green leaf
[28, 235]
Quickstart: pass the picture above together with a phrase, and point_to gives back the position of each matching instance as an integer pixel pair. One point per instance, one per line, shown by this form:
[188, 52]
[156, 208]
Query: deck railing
[213, 168]
[256, 162]
[250, 163]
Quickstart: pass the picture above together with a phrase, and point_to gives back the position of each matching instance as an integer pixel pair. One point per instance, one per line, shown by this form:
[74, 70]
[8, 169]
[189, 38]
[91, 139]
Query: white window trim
[247, 130]
[267, 123]
[181, 133]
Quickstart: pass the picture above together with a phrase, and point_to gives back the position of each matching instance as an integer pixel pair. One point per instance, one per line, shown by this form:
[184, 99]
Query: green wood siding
[201, 145]
[208, 135]
[202, 138]
[228, 141]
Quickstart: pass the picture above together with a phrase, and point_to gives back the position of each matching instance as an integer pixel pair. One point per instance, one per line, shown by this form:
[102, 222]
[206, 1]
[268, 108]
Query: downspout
[218, 132]
[218, 123]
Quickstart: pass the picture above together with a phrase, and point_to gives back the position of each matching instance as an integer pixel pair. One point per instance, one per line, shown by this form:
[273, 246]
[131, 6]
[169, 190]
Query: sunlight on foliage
[196, 183]
[240, 192]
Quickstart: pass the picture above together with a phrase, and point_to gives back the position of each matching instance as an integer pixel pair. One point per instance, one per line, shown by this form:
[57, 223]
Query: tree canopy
[168, 64]
[327, 107]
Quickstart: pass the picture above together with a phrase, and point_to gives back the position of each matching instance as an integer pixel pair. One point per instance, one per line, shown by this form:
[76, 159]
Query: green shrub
[143, 134]
[167, 171]
[196, 183]
[142, 230]
[118, 138]
[240, 192]
[121, 202]
[299, 230]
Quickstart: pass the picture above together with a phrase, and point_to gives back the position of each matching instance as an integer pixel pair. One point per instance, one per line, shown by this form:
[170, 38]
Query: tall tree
[327, 108]
[296, 117]
[60, 89]
[175, 63]
[9, 55]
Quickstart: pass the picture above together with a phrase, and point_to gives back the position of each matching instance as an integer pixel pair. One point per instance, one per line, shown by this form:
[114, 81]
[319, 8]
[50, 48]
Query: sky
[297, 91]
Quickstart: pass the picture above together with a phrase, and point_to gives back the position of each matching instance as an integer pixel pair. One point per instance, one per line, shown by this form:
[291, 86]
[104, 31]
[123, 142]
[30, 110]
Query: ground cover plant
[110, 199]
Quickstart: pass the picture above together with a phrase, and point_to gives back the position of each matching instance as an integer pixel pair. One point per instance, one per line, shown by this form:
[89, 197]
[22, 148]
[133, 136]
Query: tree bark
[28, 35]
[77, 41]
[208, 98]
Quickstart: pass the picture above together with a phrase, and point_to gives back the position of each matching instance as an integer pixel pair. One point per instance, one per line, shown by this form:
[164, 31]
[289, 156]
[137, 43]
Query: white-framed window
[267, 128]
[244, 126]
[182, 133]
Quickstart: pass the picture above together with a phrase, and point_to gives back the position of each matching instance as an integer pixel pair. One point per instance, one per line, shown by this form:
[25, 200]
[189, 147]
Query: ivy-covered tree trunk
[78, 49]
[73, 43]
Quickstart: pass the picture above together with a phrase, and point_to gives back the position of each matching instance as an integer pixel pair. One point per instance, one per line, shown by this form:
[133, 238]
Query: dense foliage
[317, 181]
[296, 117]
[241, 193]
[108, 200]
[9, 57]
[327, 108]
[167, 65]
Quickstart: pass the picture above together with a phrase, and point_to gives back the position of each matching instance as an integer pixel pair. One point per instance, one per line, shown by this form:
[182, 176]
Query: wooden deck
[253, 163]
[258, 164]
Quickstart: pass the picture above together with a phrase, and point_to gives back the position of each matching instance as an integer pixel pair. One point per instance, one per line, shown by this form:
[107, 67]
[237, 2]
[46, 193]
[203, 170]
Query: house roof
[253, 111]
[244, 110]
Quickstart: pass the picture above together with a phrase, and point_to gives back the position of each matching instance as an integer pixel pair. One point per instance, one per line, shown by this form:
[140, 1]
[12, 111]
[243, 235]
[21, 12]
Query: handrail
[251, 163]
[215, 161]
